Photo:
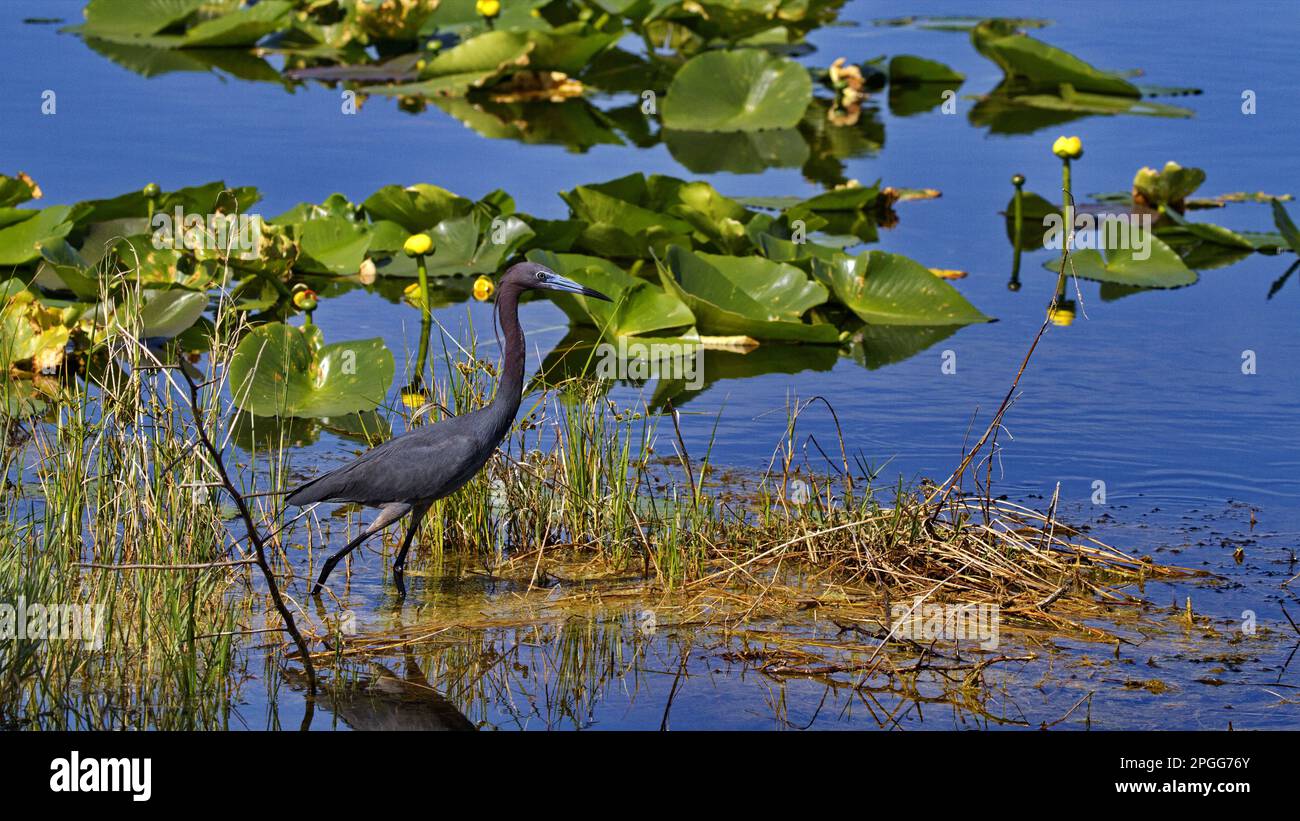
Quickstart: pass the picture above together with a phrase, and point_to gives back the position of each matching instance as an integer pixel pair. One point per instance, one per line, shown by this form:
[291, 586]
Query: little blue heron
[408, 473]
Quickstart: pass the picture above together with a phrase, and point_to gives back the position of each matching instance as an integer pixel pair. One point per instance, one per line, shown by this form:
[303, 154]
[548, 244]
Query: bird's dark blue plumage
[410, 472]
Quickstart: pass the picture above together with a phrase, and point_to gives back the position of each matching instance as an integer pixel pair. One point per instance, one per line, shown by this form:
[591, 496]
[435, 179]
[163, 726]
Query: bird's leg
[399, 564]
[328, 567]
[387, 515]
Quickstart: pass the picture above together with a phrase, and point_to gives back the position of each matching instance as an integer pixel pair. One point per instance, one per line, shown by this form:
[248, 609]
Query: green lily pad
[23, 397]
[1284, 224]
[768, 358]
[15, 190]
[1161, 269]
[416, 208]
[639, 307]
[126, 19]
[63, 268]
[1006, 112]
[877, 346]
[20, 242]
[569, 48]
[281, 370]
[737, 152]
[890, 289]
[573, 123]
[1202, 232]
[387, 237]
[636, 216]
[469, 64]
[31, 332]
[262, 434]
[150, 23]
[745, 296]
[906, 68]
[335, 205]
[465, 246]
[462, 18]
[154, 61]
[618, 221]
[741, 90]
[208, 198]
[332, 245]
[242, 27]
[909, 99]
[1038, 66]
[169, 313]
[844, 198]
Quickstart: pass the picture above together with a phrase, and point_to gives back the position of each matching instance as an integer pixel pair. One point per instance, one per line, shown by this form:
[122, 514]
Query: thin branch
[259, 545]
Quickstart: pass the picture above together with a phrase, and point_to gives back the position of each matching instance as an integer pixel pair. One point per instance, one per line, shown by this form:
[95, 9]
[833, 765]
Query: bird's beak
[559, 283]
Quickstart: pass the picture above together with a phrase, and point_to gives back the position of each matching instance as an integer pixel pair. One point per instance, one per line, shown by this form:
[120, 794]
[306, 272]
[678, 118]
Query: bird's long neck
[510, 388]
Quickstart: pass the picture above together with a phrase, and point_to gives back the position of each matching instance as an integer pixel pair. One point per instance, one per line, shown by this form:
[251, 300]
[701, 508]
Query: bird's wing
[427, 463]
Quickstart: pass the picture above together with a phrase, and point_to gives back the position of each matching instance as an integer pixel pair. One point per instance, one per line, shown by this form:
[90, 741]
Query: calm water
[1145, 394]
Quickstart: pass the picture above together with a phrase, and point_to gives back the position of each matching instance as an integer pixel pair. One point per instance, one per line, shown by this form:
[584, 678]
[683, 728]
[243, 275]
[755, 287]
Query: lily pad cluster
[682, 260]
[1045, 86]
[713, 81]
[340, 25]
[147, 261]
[1176, 246]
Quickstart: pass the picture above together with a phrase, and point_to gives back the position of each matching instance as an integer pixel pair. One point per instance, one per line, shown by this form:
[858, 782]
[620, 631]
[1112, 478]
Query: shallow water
[1145, 394]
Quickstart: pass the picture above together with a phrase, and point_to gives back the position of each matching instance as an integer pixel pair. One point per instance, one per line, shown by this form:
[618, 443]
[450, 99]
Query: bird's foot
[399, 581]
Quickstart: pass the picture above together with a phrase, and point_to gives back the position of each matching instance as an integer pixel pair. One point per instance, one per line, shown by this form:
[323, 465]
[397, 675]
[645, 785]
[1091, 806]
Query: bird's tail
[306, 494]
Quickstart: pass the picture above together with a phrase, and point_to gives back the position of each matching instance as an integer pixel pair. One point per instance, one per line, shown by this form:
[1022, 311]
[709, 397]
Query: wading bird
[408, 473]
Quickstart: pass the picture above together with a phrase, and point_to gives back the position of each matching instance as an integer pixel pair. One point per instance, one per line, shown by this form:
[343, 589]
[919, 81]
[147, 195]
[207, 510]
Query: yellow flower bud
[413, 398]
[304, 298]
[417, 245]
[366, 274]
[488, 8]
[414, 295]
[1068, 148]
[151, 190]
[483, 289]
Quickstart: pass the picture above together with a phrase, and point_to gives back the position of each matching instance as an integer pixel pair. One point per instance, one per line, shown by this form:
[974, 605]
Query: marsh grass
[107, 504]
[112, 500]
[587, 484]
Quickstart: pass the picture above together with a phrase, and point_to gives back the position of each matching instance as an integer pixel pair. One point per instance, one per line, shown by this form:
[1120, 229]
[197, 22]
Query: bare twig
[259, 546]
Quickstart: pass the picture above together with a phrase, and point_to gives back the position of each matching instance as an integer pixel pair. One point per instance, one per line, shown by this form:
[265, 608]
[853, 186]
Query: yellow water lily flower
[483, 289]
[1068, 148]
[1062, 317]
[417, 245]
[488, 8]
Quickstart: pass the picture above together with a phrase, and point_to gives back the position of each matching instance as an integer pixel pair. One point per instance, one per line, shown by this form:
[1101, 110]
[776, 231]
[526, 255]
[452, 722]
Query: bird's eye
[541, 276]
